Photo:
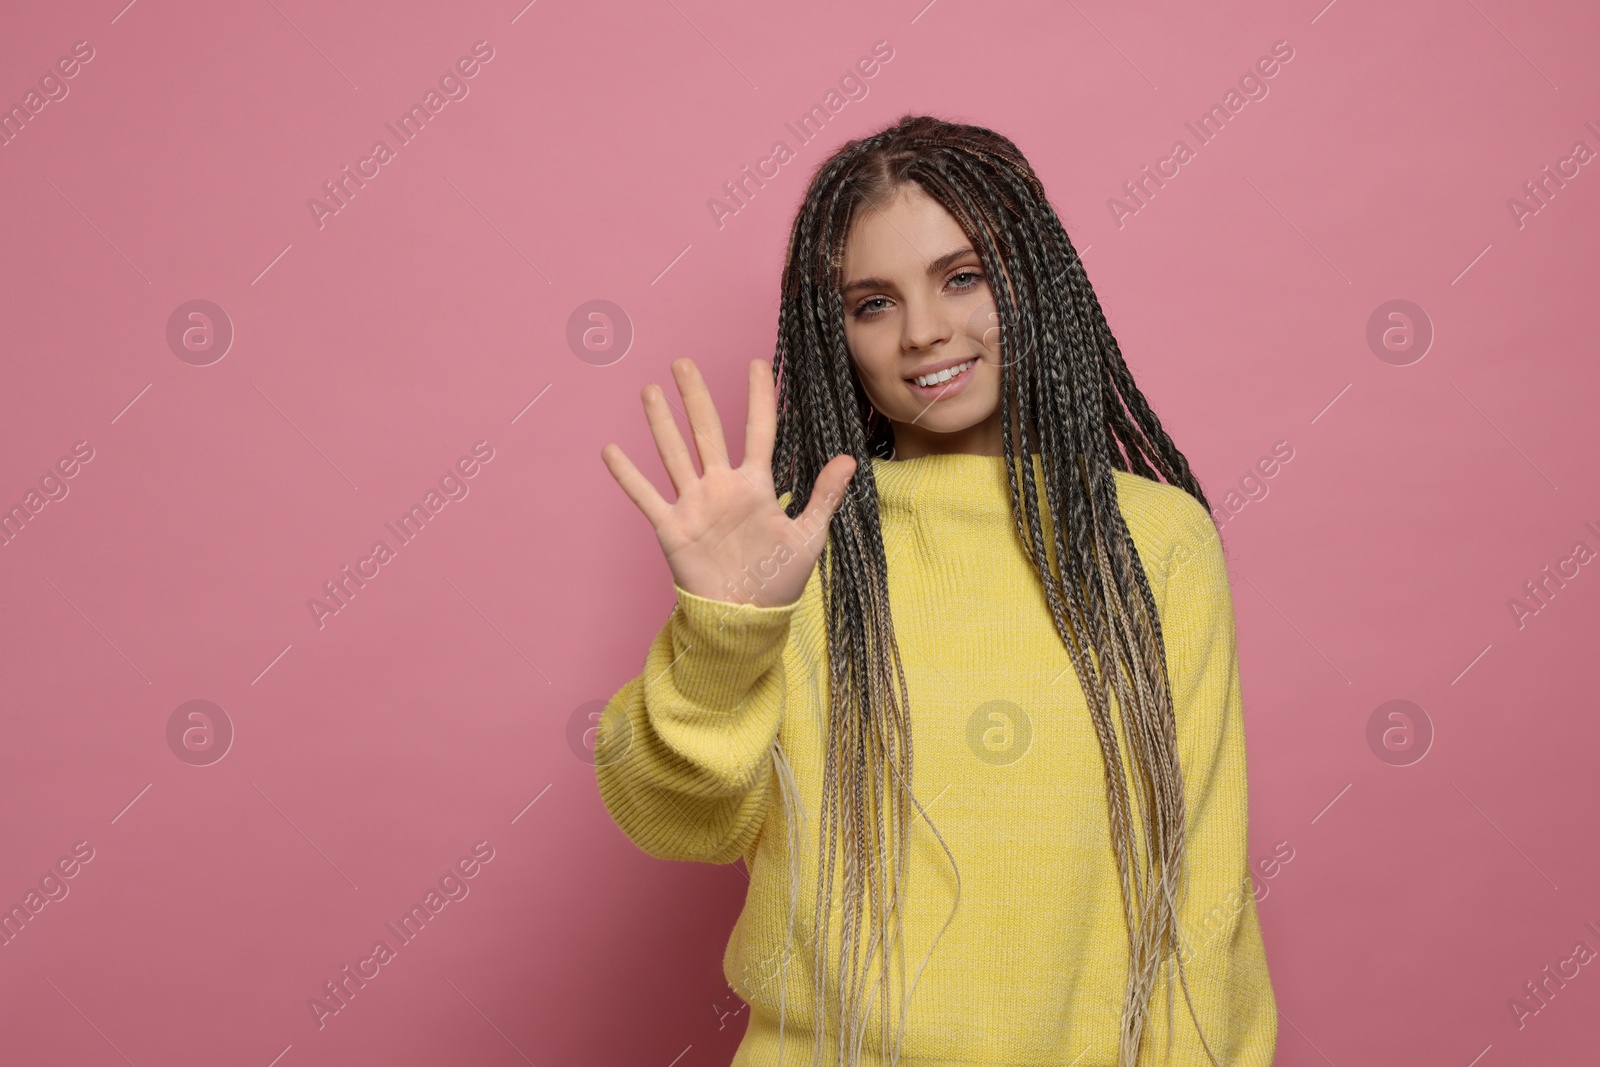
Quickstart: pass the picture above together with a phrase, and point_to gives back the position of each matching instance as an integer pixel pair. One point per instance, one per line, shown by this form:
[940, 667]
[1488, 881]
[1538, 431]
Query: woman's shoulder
[1167, 523]
[1159, 506]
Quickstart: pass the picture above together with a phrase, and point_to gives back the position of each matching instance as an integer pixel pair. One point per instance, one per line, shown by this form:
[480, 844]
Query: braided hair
[1067, 396]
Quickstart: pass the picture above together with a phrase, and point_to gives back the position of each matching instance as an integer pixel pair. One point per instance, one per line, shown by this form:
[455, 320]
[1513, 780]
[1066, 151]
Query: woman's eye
[866, 310]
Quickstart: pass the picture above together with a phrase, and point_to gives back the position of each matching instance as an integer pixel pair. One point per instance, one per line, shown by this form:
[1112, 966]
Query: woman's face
[916, 301]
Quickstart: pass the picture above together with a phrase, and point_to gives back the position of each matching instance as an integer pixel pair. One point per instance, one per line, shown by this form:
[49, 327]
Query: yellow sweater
[1032, 967]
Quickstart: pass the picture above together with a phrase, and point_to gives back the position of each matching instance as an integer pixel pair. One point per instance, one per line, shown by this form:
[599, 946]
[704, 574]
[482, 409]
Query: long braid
[1068, 401]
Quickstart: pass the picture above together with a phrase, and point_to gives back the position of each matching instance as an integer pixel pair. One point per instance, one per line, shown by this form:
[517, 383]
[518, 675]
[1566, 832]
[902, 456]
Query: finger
[635, 484]
[761, 419]
[702, 412]
[669, 441]
[828, 492]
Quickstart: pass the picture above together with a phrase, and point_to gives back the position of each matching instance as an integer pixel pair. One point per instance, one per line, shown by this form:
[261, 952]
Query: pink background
[439, 707]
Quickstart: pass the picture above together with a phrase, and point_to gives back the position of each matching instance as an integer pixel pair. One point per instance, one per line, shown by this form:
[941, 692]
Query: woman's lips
[946, 389]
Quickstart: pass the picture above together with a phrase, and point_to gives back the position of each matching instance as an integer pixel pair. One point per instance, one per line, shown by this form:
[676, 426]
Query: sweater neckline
[963, 480]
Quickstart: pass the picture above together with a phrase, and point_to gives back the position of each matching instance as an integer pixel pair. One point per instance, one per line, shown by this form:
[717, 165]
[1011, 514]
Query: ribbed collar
[961, 480]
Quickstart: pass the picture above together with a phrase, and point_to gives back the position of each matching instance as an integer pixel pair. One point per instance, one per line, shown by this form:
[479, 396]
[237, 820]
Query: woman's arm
[684, 756]
[1225, 961]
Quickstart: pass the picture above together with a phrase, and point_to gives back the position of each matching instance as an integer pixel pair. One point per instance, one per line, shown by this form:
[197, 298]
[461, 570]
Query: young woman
[1020, 582]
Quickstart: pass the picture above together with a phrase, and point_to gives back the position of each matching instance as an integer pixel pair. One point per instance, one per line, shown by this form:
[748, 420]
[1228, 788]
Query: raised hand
[726, 534]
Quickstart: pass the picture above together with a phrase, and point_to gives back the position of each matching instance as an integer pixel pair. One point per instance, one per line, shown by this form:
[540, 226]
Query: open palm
[726, 537]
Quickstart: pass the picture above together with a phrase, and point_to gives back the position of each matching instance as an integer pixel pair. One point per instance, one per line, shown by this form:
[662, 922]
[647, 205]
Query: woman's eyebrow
[936, 267]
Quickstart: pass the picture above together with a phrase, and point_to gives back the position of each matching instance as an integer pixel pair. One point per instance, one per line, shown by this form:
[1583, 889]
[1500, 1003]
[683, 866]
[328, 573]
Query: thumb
[828, 492]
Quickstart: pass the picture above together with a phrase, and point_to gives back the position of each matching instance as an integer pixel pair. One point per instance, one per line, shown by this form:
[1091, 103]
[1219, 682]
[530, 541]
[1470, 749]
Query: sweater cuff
[725, 647]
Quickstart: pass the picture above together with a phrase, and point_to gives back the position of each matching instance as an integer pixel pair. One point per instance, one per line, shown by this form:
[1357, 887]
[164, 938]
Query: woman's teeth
[944, 375]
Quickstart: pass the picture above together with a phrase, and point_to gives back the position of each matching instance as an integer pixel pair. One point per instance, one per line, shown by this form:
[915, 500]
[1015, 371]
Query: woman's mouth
[945, 383]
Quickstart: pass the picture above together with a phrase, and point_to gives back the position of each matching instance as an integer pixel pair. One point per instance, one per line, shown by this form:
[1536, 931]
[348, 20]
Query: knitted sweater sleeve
[1224, 958]
[684, 754]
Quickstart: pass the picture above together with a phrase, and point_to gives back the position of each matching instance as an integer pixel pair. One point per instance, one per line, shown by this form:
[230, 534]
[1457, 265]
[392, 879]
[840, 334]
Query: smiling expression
[917, 302]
